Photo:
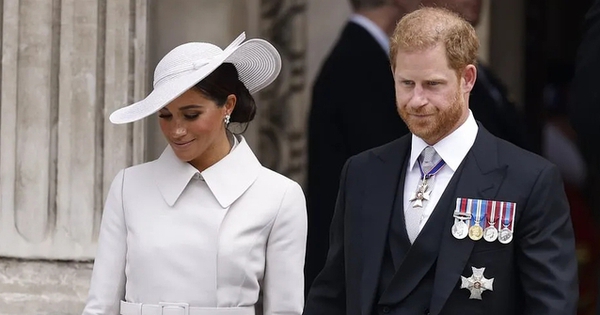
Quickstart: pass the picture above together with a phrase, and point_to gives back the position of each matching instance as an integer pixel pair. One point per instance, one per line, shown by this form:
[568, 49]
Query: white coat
[212, 239]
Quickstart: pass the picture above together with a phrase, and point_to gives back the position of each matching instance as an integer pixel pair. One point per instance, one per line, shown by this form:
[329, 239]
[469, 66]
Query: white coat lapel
[227, 179]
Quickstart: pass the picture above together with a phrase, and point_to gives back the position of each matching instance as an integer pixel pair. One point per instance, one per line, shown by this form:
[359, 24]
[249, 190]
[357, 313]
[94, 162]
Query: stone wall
[66, 64]
[43, 287]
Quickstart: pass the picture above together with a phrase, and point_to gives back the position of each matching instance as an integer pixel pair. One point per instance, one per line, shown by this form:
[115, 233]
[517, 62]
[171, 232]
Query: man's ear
[469, 76]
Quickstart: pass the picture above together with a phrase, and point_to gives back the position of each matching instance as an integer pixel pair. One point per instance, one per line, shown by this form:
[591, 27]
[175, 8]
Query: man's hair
[428, 27]
[367, 4]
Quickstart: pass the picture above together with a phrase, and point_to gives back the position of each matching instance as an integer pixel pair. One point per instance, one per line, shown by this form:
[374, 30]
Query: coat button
[385, 309]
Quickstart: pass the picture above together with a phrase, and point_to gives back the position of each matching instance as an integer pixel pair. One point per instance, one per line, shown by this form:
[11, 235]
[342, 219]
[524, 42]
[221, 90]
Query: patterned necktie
[428, 158]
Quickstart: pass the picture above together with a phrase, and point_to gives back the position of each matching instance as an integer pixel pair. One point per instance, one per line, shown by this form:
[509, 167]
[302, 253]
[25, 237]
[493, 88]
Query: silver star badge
[477, 283]
[421, 194]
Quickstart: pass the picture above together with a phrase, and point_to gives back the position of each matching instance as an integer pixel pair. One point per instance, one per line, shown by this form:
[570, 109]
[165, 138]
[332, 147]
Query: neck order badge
[423, 192]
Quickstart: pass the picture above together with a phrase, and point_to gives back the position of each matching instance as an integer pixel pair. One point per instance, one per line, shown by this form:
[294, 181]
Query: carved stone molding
[66, 64]
[282, 136]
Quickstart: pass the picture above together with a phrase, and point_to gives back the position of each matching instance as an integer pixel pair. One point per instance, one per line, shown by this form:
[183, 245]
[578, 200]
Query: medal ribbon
[433, 171]
[511, 215]
[506, 219]
[480, 214]
[461, 213]
[491, 213]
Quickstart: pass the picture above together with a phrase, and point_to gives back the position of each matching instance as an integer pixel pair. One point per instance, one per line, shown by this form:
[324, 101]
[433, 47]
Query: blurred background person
[490, 101]
[584, 114]
[560, 147]
[353, 109]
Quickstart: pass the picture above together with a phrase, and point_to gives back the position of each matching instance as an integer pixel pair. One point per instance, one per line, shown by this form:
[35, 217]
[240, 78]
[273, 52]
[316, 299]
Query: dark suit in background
[353, 109]
[585, 102]
[373, 269]
[492, 107]
[584, 108]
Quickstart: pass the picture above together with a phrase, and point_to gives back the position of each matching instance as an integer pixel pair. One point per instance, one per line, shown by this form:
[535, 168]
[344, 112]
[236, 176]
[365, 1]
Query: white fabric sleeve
[107, 286]
[284, 274]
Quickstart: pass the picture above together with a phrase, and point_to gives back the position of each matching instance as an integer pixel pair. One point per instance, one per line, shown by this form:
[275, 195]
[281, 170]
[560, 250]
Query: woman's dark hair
[223, 82]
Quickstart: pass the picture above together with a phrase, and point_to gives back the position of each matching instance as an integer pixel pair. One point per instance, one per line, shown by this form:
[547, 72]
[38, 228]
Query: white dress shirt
[452, 149]
[378, 34]
[213, 239]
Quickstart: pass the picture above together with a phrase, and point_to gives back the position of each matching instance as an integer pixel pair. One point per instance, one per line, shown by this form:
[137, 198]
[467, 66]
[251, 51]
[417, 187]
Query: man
[353, 109]
[489, 99]
[485, 230]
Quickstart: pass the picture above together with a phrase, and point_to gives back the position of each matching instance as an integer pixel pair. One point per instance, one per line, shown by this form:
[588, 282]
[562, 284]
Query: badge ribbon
[423, 192]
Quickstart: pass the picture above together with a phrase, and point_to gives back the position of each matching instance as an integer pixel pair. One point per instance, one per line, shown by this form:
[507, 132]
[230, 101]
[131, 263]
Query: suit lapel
[423, 253]
[382, 182]
[398, 241]
[480, 178]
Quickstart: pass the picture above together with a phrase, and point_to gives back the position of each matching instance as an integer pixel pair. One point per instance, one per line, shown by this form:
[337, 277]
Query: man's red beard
[433, 128]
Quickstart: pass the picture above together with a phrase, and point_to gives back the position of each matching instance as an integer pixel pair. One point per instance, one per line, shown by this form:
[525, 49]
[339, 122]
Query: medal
[423, 193]
[506, 234]
[477, 283]
[462, 215]
[476, 231]
[460, 229]
[490, 233]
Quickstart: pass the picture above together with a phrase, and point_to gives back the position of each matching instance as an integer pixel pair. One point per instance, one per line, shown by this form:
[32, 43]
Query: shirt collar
[227, 179]
[453, 148]
[378, 34]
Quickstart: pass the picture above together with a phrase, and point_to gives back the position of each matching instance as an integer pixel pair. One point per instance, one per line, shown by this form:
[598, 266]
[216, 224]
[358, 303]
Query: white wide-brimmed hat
[258, 64]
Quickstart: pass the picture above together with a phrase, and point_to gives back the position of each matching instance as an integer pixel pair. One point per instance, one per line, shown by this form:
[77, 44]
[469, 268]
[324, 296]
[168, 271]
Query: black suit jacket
[534, 274]
[353, 109]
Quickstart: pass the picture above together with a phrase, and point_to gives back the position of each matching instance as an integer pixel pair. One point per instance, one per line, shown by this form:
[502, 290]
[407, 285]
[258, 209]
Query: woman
[204, 228]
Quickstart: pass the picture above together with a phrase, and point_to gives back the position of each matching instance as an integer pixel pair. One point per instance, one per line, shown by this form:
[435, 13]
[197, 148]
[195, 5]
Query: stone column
[66, 64]
[285, 103]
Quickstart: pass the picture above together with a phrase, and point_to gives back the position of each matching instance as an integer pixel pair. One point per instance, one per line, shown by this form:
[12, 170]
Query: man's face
[470, 10]
[431, 99]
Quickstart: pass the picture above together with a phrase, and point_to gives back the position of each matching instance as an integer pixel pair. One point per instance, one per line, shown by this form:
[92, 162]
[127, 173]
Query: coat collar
[227, 179]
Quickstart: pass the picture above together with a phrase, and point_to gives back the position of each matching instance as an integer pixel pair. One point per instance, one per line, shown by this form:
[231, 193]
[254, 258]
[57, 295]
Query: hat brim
[258, 64]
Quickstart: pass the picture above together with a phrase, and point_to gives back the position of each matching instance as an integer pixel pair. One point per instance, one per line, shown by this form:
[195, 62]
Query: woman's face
[195, 129]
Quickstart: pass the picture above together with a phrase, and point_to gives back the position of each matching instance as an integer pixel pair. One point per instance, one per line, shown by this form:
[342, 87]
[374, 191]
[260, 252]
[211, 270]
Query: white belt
[128, 308]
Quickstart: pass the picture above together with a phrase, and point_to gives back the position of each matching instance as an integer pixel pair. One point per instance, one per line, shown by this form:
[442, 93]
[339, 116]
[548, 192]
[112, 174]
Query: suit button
[426, 312]
[385, 309]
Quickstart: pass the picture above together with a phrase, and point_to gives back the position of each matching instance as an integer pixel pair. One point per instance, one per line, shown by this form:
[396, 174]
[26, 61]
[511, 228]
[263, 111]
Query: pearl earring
[226, 120]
